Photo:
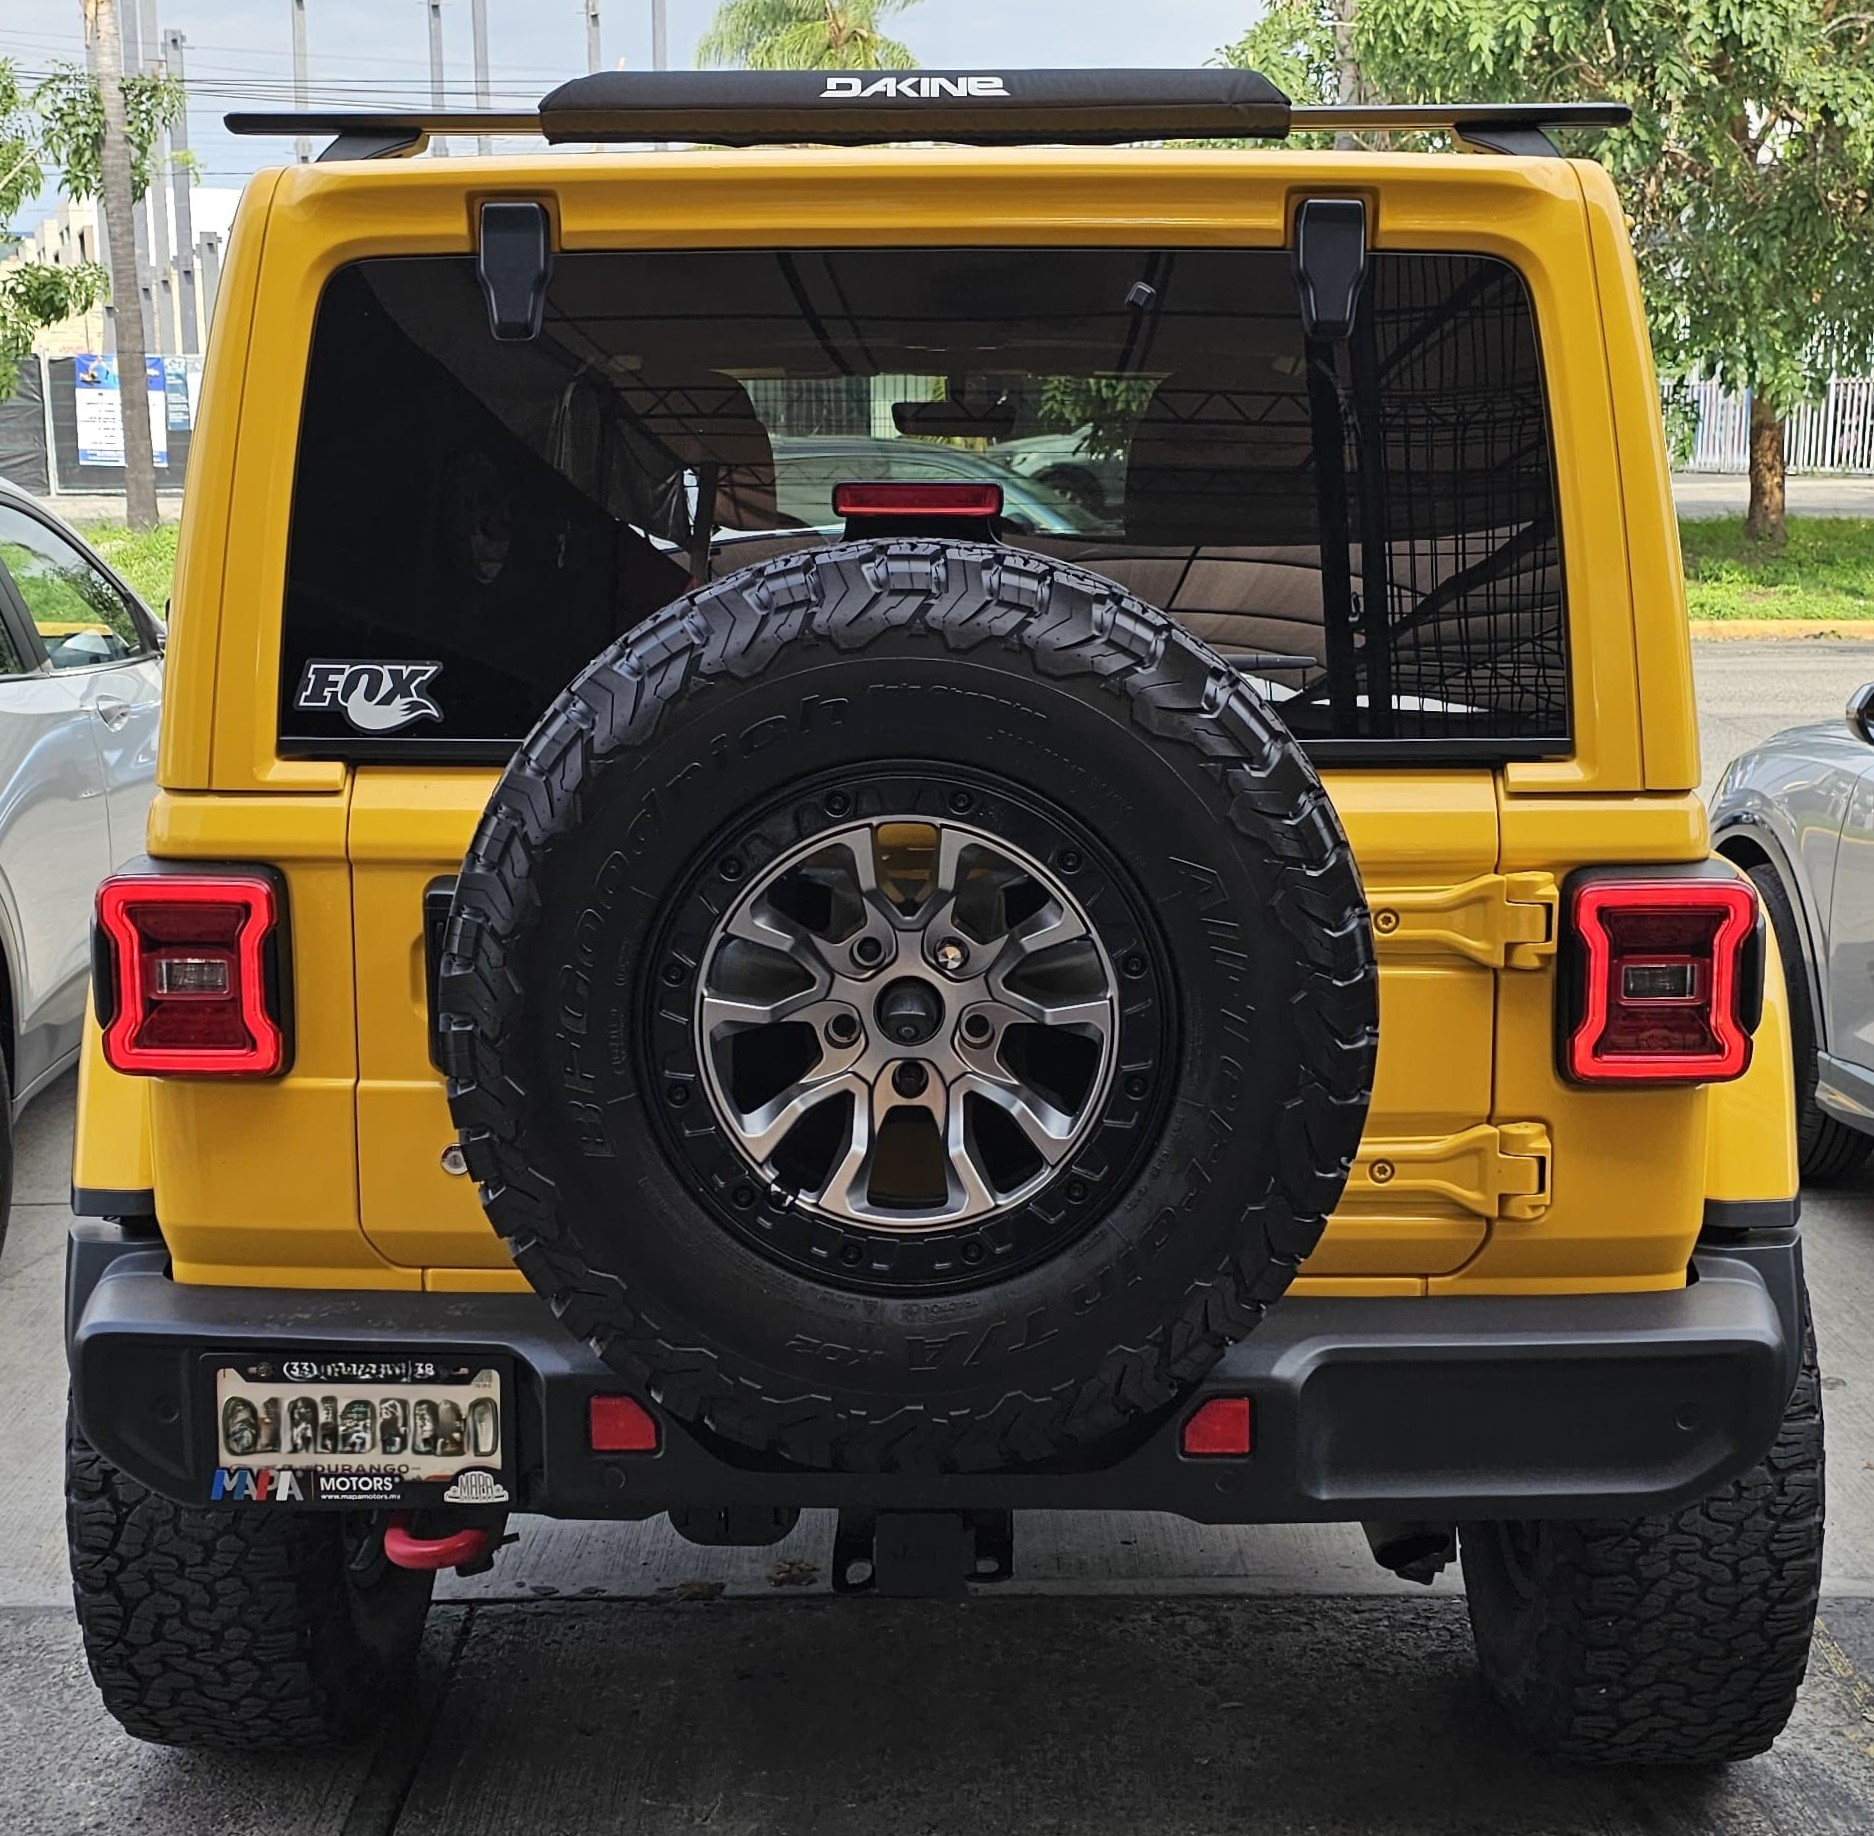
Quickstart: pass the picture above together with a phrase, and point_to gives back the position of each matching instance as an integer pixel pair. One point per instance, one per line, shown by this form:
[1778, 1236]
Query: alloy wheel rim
[908, 1023]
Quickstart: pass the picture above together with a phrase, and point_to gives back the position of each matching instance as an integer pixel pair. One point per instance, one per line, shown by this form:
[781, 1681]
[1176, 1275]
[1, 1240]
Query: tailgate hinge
[1501, 920]
[1497, 1170]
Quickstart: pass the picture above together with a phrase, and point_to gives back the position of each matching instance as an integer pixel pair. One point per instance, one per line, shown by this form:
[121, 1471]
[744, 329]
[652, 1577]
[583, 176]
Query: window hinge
[1496, 1170]
[1501, 920]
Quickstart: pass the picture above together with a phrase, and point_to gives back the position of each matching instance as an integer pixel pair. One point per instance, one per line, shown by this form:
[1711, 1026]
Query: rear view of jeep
[929, 831]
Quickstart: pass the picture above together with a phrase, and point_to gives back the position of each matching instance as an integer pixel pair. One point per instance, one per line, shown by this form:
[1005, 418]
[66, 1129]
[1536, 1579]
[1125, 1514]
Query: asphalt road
[1141, 1675]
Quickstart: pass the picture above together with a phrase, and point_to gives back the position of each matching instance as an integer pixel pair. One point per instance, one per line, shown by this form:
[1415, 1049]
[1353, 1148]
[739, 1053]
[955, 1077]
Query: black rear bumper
[1445, 1408]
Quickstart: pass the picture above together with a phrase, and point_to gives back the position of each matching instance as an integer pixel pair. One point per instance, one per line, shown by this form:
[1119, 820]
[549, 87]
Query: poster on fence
[100, 409]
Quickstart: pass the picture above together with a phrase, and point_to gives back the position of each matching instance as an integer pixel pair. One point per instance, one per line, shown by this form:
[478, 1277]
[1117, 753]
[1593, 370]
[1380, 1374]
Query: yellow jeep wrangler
[1006, 823]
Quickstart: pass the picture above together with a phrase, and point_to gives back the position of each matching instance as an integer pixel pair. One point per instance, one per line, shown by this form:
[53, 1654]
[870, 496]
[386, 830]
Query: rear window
[1368, 528]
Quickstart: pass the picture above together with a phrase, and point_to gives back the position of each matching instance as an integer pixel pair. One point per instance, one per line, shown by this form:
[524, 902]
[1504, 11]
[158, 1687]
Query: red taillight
[1219, 1429]
[186, 983]
[1663, 982]
[863, 500]
[620, 1424]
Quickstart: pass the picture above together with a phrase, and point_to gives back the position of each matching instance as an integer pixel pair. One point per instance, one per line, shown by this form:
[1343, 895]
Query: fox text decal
[374, 697]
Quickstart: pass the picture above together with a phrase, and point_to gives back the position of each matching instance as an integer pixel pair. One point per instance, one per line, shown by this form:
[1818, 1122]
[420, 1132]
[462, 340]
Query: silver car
[81, 685]
[1798, 815]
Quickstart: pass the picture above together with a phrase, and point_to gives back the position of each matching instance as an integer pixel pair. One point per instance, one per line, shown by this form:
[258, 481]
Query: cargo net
[1368, 526]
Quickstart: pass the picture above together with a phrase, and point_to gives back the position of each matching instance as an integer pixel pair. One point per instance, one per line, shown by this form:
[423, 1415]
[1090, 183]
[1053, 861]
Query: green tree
[805, 35]
[101, 131]
[33, 294]
[1748, 170]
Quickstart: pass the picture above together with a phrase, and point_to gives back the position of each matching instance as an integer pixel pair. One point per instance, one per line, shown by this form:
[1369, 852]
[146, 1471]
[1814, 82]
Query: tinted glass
[81, 616]
[1369, 526]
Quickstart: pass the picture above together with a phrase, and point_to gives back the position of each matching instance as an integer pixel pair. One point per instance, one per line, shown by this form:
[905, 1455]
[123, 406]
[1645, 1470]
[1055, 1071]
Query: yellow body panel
[1482, 1170]
[111, 1144]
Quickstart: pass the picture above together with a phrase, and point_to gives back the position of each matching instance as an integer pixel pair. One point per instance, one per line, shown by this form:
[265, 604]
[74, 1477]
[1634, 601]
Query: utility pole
[660, 36]
[155, 204]
[441, 146]
[188, 311]
[130, 55]
[119, 211]
[478, 15]
[302, 147]
[595, 57]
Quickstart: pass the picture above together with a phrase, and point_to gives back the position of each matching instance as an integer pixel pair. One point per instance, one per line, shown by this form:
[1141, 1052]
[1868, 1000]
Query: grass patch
[1826, 570]
[146, 558]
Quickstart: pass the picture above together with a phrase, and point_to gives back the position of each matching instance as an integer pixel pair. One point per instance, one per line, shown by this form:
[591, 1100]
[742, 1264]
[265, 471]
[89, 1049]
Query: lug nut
[843, 1029]
[950, 955]
[910, 1079]
[868, 952]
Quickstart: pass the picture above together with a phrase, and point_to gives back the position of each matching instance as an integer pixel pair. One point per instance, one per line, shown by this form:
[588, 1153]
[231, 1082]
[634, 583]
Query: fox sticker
[374, 697]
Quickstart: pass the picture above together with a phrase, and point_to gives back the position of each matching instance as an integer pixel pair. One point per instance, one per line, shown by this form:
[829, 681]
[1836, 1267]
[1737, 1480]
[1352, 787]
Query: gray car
[81, 685]
[1798, 814]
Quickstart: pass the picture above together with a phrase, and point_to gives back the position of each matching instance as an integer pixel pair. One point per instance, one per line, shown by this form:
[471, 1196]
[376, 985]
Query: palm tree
[117, 196]
[804, 35]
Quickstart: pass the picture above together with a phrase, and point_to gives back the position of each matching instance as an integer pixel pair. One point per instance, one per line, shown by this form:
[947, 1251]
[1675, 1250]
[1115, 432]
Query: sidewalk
[1727, 494]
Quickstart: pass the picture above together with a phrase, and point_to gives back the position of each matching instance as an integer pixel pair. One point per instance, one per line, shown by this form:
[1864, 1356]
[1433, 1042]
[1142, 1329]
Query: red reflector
[1661, 997]
[1219, 1429]
[620, 1424]
[861, 500]
[187, 985]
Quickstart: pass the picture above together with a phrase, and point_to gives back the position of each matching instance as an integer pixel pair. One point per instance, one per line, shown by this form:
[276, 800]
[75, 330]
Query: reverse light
[620, 1424]
[187, 975]
[1669, 980]
[1218, 1429]
[917, 500]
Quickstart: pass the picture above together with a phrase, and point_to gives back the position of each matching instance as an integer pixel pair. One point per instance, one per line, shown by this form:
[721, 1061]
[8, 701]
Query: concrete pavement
[1140, 1675]
[1728, 494]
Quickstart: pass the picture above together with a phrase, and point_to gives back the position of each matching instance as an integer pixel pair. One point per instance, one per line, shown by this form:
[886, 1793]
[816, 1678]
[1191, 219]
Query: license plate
[364, 1432]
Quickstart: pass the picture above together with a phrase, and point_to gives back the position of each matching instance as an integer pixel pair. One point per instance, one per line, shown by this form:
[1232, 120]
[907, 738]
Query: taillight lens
[1669, 980]
[188, 978]
[863, 500]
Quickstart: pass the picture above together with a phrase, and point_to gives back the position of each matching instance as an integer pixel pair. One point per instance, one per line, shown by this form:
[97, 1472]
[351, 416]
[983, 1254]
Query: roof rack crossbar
[745, 108]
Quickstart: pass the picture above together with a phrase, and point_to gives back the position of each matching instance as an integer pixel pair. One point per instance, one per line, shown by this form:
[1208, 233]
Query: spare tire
[910, 1006]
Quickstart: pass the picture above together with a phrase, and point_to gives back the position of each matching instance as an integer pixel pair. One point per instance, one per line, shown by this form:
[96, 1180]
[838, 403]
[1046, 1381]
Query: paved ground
[1142, 1675]
[1721, 494]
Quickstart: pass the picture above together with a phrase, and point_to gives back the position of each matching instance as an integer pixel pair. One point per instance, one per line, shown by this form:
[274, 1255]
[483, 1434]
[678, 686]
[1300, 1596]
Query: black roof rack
[745, 108]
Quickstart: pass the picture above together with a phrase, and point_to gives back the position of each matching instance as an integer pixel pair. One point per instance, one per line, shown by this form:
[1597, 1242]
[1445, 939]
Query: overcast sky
[239, 52]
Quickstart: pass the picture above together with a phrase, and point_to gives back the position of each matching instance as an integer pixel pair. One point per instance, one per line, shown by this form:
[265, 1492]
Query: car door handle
[112, 712]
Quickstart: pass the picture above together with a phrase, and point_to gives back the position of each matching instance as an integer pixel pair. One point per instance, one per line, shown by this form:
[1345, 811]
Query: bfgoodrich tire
[894, 771]
[244, 1629]
[1676, 1640]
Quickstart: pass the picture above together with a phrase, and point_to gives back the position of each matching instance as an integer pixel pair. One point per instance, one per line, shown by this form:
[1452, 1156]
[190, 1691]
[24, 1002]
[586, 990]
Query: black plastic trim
[1054, 107]
[113, 1202]
[1442, 1408]
[1731, 1222]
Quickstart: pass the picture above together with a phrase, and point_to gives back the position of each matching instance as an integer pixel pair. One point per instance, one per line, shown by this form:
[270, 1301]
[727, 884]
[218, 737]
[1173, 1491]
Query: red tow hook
[408, 1551]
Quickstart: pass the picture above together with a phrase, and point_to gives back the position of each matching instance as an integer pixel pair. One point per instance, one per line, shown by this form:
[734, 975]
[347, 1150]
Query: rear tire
[1675, 1640]
[1826, 1149]
[245, 1629]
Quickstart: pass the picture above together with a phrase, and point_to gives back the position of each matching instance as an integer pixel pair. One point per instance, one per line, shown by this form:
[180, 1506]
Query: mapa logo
[374, 697]
[259, 1485]
[916, 88]
[476, 1486]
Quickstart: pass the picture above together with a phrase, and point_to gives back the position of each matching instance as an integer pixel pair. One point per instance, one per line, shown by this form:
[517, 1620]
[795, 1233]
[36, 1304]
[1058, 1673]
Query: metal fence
[1835, 434]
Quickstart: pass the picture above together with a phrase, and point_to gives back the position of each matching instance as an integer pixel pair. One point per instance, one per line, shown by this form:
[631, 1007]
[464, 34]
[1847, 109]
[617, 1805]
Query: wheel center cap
[909, 1011]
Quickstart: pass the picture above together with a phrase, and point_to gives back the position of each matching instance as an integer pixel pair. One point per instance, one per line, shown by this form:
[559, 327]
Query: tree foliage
[33, 294]
[805, 35]
[71, 126]
[1748, 169]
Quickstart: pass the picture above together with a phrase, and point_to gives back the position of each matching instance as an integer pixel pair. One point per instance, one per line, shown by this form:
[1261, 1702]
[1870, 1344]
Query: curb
[1852, 630]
